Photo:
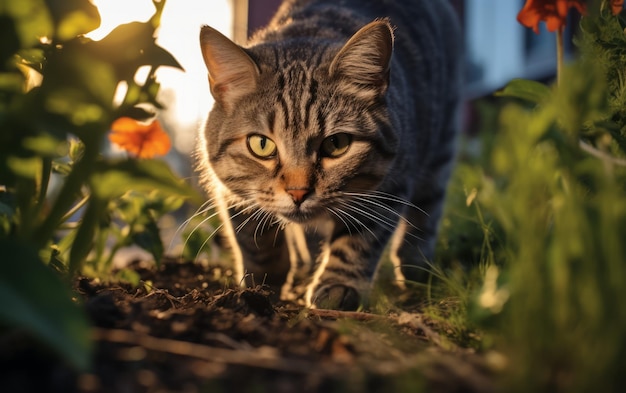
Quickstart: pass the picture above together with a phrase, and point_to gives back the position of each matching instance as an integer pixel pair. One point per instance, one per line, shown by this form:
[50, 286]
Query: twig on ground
[228, 341]
[416, 321]
[263, 357]
[336, 314]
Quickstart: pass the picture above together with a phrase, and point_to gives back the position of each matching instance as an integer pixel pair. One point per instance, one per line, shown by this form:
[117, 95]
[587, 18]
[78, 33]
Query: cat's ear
[364, 60]
[232, 73]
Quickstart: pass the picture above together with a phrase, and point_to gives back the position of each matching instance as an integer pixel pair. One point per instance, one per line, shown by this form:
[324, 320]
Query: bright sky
[185, 94]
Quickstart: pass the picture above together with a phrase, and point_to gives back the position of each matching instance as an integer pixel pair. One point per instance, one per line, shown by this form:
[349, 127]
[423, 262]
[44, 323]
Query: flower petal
[140, 140]
[553, 12]
[617, 6]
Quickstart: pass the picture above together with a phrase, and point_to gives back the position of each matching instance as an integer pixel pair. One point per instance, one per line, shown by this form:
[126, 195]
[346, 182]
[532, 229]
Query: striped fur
[331, 136]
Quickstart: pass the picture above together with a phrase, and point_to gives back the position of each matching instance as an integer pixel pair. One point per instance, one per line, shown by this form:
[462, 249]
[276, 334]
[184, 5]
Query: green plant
[57, 106]
[554, 186]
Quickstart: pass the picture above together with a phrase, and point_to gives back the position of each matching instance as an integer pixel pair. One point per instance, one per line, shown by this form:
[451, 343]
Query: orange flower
[553, 12]
[141, 140]
[616, 6]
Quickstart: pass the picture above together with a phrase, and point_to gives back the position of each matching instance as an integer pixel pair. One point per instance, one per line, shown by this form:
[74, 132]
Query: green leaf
[84, 241]
[112, 179]
[130, 46]
[527, 90]
[73, 17]
[129, 276]
[10, 42]
[33, 299]
[77, 85]
[32, 20]
[137, 113]
[25, 167]
[77, 150]
[148, 237]
[33, 58]
[45, 145]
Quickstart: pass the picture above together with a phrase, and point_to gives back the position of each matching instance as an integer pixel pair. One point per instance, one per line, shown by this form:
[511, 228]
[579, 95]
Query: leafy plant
[554, 186]
[57, 105]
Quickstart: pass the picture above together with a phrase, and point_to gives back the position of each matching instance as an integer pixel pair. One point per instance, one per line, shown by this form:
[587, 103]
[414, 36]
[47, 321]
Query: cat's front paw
[337, 297]
[295, 294]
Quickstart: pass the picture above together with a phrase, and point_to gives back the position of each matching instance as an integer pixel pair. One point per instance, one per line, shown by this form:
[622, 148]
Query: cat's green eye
[336, 145]
[261, 146]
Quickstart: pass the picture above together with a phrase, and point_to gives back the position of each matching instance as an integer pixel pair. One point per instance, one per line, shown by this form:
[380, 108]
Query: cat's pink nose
[298, 194]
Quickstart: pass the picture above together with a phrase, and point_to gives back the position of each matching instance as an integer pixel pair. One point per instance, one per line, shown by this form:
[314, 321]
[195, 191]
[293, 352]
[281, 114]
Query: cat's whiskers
[354, 219]
[205, 207]
[363, 198]
[257, 212]
[372, 213]
[202, 210]
[261, 218]
[268, 220]
[260, 226]
[362, 201]
[278, 229]
[331, 210]
[201, 223]
[387, 197]
[204, 243]
[380, 219]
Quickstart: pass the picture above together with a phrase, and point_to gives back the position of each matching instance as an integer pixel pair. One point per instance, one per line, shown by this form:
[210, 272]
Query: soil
[184, 329]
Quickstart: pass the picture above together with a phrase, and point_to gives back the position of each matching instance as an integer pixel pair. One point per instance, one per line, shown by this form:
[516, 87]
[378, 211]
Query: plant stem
[83, 242]
[66, 197]
[75, 208]
[559, 54]
[69, 226]
[601, 155]
[46, 169]
[26, 189]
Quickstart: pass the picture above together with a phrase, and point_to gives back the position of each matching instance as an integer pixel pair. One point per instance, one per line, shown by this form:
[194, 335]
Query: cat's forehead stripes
[297, 111]
[277, 55]
[271, 121]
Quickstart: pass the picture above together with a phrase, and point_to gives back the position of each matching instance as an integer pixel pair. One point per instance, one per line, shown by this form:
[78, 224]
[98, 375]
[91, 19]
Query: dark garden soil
[184, 330]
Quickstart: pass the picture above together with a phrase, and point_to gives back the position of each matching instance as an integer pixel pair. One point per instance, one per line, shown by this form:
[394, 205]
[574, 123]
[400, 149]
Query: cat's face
[296, 136]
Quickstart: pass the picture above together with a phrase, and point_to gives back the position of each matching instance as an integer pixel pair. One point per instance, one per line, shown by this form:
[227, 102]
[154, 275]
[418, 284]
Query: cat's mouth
[301, 216]
[296, 217]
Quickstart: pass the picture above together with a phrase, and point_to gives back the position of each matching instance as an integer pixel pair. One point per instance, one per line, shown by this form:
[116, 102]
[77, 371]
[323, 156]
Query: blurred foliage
[38, 302]
[62, 202]
[540, 212]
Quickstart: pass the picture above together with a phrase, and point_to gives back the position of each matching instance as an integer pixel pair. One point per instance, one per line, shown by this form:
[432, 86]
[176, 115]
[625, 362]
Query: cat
[332, 136]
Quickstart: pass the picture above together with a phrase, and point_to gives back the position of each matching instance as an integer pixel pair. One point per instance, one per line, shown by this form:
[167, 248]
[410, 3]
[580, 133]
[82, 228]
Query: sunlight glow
[185, 94]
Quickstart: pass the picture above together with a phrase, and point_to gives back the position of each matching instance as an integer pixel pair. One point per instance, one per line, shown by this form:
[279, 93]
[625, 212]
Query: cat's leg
[304, 256]
[347, 266]
[413, 244]
[259, 250]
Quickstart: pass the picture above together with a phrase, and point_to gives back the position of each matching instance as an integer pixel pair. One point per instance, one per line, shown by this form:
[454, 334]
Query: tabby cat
[331, 137]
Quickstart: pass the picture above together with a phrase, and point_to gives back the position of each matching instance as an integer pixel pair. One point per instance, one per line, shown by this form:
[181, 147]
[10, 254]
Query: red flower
[553, 12]
[616, 6]
[141, 140]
